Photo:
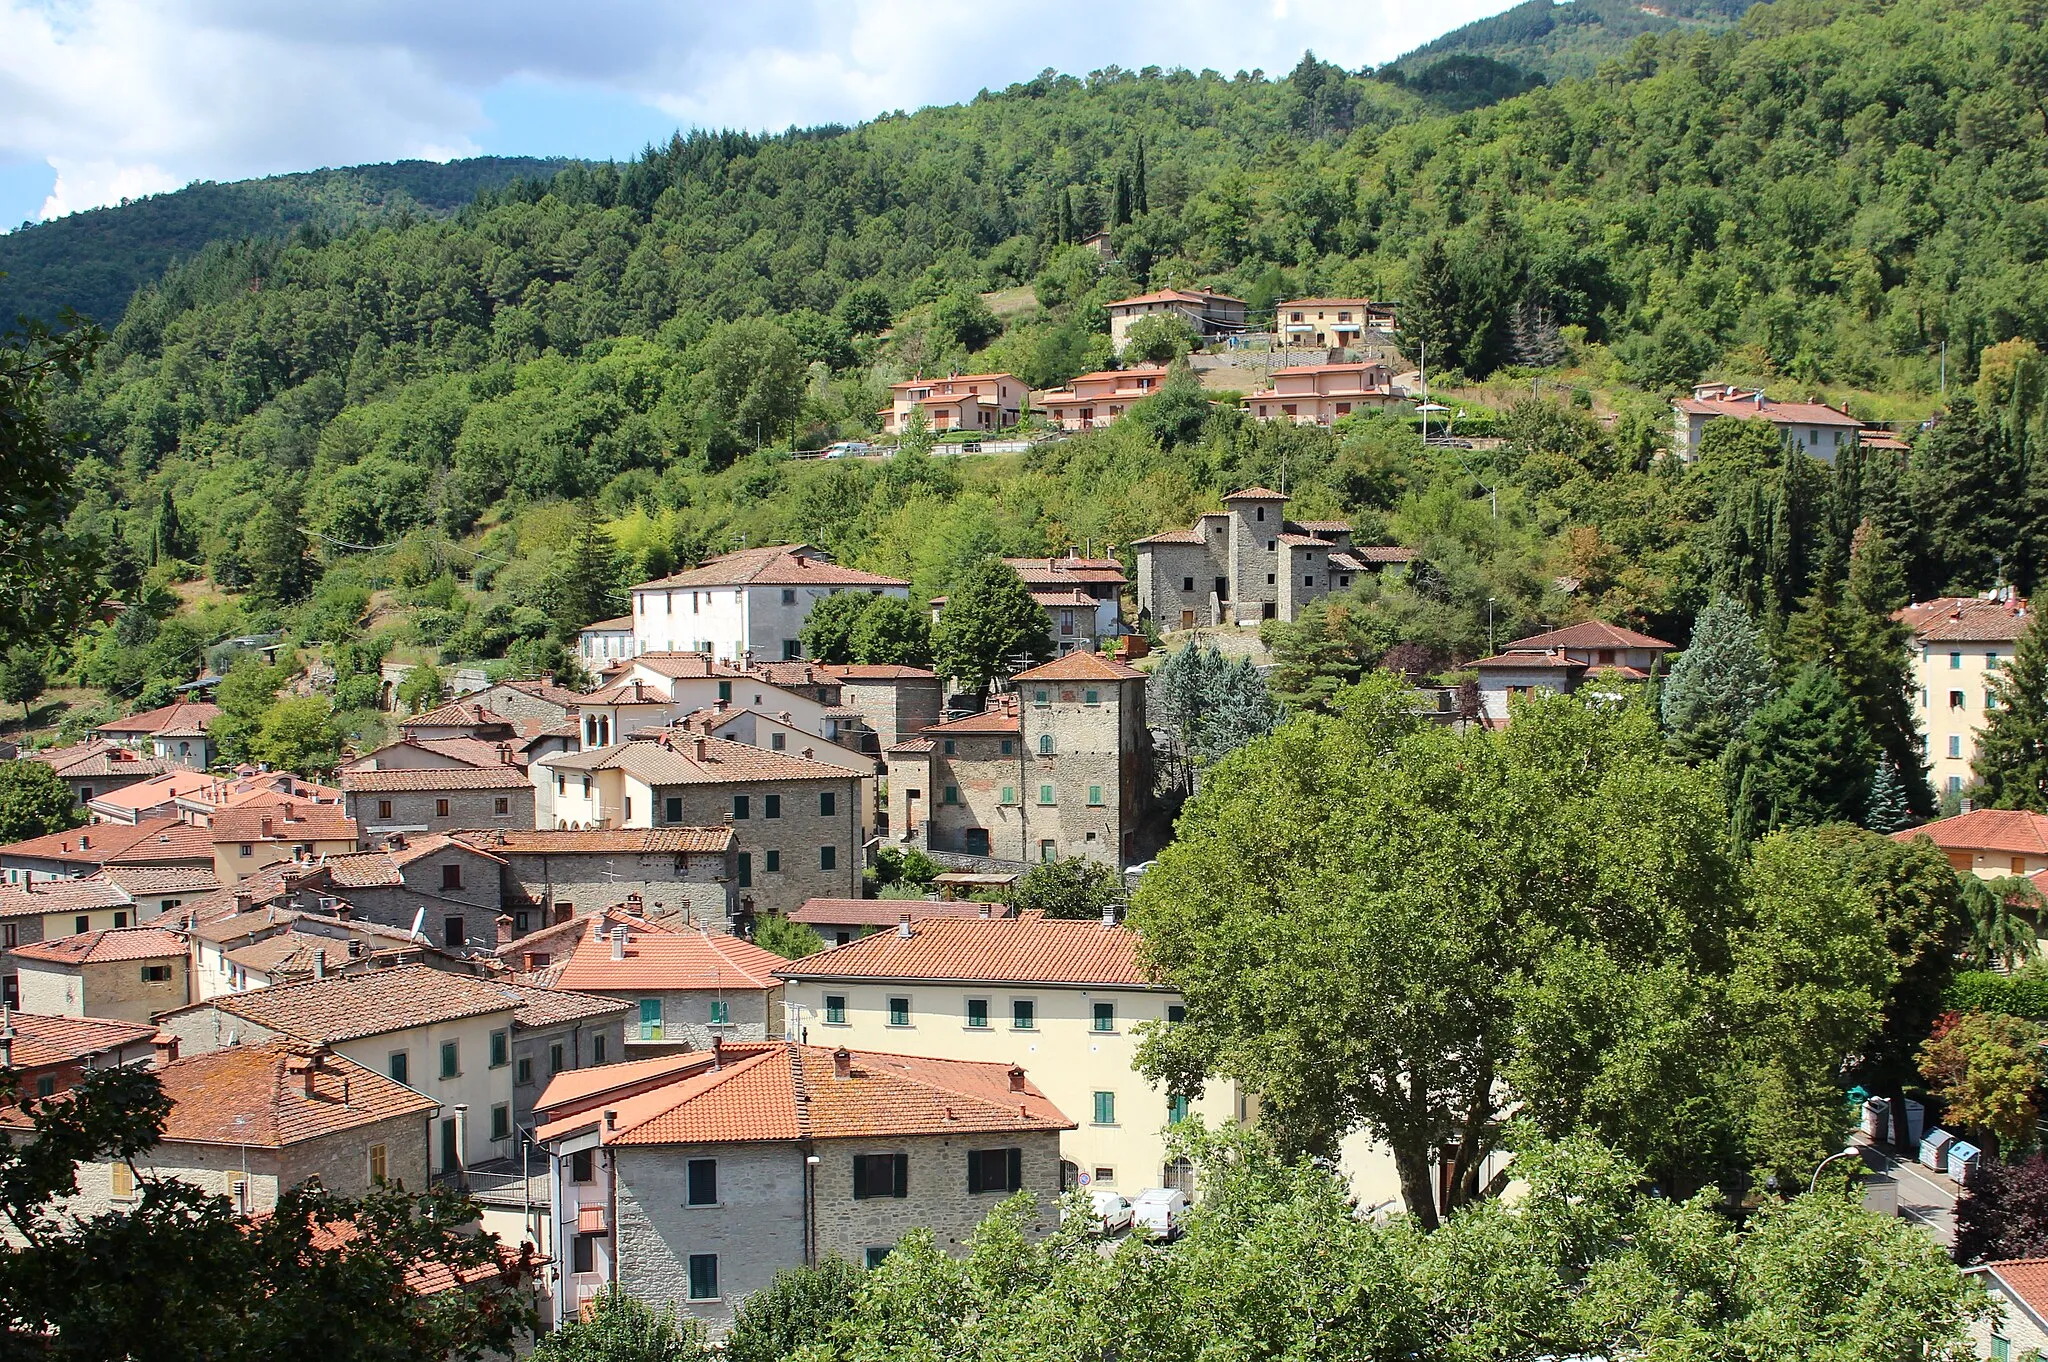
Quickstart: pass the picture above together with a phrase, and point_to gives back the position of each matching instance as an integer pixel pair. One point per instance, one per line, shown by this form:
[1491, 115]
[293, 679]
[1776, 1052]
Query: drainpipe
[810, 1205]
[461, 1145]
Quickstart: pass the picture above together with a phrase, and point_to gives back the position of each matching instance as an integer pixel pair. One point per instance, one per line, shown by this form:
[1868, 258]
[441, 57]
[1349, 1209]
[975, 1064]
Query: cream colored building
[1207, 313]
[1063, 999]
[1960, 645]
[959, 402]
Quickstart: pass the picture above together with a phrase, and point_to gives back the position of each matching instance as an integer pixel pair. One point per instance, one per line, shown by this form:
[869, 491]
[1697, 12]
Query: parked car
[1110, 1213]
[847, 449]
[1160, 1212]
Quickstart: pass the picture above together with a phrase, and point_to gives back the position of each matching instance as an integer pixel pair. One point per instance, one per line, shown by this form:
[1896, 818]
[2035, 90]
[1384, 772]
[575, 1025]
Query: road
[1922, 1196]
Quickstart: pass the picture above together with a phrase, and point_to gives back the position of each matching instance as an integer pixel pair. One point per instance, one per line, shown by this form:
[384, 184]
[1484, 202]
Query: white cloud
[124, 96]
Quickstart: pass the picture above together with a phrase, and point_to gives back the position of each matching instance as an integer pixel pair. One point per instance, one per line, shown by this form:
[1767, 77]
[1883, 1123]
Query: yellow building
[1064, 999]
[1960, 644]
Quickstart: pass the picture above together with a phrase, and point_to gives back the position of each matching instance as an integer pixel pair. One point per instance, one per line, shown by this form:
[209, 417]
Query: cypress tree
[167, 538]
[1138, 201]
[1066, 224]
[1805, 759]
[1120, 204]
[2012, 750]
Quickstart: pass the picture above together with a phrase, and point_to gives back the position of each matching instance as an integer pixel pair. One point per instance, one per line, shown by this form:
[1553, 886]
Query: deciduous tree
[1987, 1069]
[1072, 887]
[989, 624]
[34, 801]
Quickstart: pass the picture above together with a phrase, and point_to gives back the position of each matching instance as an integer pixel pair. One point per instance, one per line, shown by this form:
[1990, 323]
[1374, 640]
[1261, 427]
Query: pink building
[961, 402]
[1317, 394]
[1097, 399]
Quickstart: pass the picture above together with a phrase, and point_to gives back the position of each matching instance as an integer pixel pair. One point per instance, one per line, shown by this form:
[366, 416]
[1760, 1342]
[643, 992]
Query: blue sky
[104, 99]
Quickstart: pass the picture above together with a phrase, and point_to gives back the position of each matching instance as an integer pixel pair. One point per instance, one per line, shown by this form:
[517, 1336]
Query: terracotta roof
[682, 666]
[674, 960]
[1063, 570]
[289, 820]
[168, 841]
[96, 758]
[1298, 540]
[622, 624]
[1325, 526]
[79, 895]
[618, 841]
[540, 1007]
[153, 839]
[468, 751]
[1256, 494]
[41, 1041]
[292, 953]
[159, 790]
[434, 778]
[257, 1095]
[1378, 553]
[1172, 537]
[1002, 718]
[1590, 634]
[1512, 661]
[363, 870]
[104, 947]
[538, 689]
[775, 1091]
[358, 1005]
[185, 718]
[572, 1086]
[1322, 302]
[1966, 619]
[1028, 948]
[955, 378]
[1080, 666]
[162, 879]
[1778, 413]
[632, 692]
[1361, 368]
[2008, 830]
[662, 763]
[1069, 596]
[771, 565]
[866, 671]
[1173, 295]
[915, 746]
[2027, 1280]
[457, 714]
[884, 912]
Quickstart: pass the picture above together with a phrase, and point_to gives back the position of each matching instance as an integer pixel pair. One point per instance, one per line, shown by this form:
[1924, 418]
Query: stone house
[894, 702]
[124, 973]
[159, 889]
[531, 705]
[796, 821]
[1060, 767]
[83, 851]
[1960, 645]
[656, 688]
[412, 800]
[252, 1121]
[273, 943]
[551, 875]
[49, 1054]
[1248, 563]
[694, 1188]
[1560, 661]
[175, 734]
[96, 767]
[752, 603]
[687, 989]
[452, 887]
[448, 1036]
[556, 1031]
[2017, 1326]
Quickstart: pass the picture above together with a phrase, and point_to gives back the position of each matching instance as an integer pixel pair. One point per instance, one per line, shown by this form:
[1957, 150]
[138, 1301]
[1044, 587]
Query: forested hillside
[94, 261]
[398, 436]
[1572, 38]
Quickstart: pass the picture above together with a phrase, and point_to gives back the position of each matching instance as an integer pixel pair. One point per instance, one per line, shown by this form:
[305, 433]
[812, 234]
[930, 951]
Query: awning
[590, 1220]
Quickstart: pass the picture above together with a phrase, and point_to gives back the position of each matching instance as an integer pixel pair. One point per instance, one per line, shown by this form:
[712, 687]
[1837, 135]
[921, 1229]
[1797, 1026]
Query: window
[597, 1049]
[835, 1009]
[1023, 1014]
[1009, 794]
[740, 808]
[440, 808]
[725, 691]
[1045, 794]
[501, 1049]
[383, 808]
[1048, 851]
[771, 806]
[1008, 747]
[703, 1178]
[672, 809]
[501, 1122]
[451, 875]
[1262, 513]
[46, 1085]
[778, 741]
[1955, 745]
[83, 923]
[1105, 1177]
[721, 1013]
[994, 1170]
[583, 1253]
[977, 1014]
[1269, 579]
[789, 595]
[1308, 581]
[828, 804]
[1045, 744]
[875, 1255]
[123, 1182]
[1955, 699]
[1041, 697]
[502, 806]
[1187, 584]
[828, 858]
[880, 1175]
[1991, 662]
[1090, 697]
[380, 1163]
[650, 1019]
[401, 1067]
[1105, 1016]
[555, 1058]
[952, 795]
[452, 931]
[451, 1058]
[1176, 1013]
[949, 747]
[774, 862]
[2001, 1349]
[522, 1073]
[746, 870]
[156, 974]
[1105, 1108]
[1095, 796]
[1955, 662]
[247, 850]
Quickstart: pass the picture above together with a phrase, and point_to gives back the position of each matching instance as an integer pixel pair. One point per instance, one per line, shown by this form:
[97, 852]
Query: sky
[106, 99]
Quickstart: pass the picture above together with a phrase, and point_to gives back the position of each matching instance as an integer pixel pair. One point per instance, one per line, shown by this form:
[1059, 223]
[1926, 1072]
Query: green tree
[2011, 764]
[796, 1313]
[421, 689]
[1159, 338]
[33, 801]
[961, 319]
[280, 565]
[828, 630]
[1987, 1070]
[1889, 811]
[892, 632]
[167, 536]
[1328, 647]
[1804, 760]
[22, 677]
[299, 735]
[182, 1276]
[48, 576]
[2001, 914]
[750, 380]
[587, 588]
[990, 623]
[1071, 887]
[790, 940]
[1178, 413]
[620, 1328]
[1211, 704]
[1718, 683]
[245, 695]
[865, 310]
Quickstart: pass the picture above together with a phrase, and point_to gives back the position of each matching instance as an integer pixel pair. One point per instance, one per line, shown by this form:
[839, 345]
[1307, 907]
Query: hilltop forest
[457, 439]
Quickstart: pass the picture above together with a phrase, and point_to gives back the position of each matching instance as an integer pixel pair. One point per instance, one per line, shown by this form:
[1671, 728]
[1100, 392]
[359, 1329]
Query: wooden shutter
[901, 1187]
[1015, 1179]
[860, 1182]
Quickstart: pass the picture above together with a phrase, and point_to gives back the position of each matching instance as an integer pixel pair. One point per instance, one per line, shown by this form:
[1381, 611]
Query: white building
[752, 603]
[1560, 661]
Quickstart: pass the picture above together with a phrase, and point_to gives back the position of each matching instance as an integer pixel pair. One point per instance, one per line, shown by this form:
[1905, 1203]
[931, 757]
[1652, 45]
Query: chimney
[269, 828]
[611, 1118]
[244, 900]
[1016, 1079]
[504, 754]
[984, 913]
[526, 962]
[164, 1049]
[504, 928]
[903, 925]
[700, 749]
[717, 1053]
[84, 842]
[461, 1169]
[842, 1063]
[597, 927]
[634, 904]
[618, 943]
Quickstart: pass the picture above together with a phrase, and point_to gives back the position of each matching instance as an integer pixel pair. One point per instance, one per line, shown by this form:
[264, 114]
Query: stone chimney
[164, 1049]
[504, 928]
[244, 900]
[1016, 1079]
[618, 943]
[6, 1037]
[700, 749]
[269, 828]
[842, 1063]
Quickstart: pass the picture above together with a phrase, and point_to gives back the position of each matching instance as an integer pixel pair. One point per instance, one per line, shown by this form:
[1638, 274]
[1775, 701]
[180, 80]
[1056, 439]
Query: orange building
[961, 402]
[1317, 394]
[1097, 399]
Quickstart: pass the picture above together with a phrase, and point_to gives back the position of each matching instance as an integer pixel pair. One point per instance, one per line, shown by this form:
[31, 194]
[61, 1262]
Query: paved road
[1921, 1195]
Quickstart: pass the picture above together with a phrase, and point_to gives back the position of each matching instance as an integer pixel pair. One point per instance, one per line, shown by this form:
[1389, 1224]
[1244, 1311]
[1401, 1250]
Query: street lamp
[1849, 1153]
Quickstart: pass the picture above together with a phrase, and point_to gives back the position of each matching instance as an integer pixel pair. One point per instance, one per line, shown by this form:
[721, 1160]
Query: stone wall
[1254, 568]
[756, 1228]
[895, 710]
[417, 811]
[532, 1054]
[686, 1015]
[937, 1185]
[589, 881]
[795, 836]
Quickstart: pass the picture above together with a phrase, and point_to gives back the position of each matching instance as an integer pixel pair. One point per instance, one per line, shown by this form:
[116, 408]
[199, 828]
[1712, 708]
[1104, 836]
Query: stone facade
[755, 1229]
[454, 911]
[894, 708]
[580, 1043]
[547, 886]
[379, 813]
[1248, 563]
[120, 990]
[936, 1190]
[685, 1022]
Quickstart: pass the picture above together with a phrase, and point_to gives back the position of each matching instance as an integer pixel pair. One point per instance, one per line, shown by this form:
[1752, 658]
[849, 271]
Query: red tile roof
[669, 960]
[41, 1041]
[287, 820]
[1080, 666]
[153, 840]
[170, 841]
[771, 565]
[434, 778]
[257, 1095]
[1172, 537]
[104, 947]
[539, 1007]
[162, 879]
[1256, 494]
[1175, 295]
[358, 1005]
[457, 714]
[859, 671]
[955, 378]
[161, 789]
[1524, 661]
[1063, 571]
[1002, 718]
[617, 841]
[658, 761]
[96, 757]
[571, 1087]
[2027, 1280]
[679, 666]
[1029, 948]
[1778, 413]
[1377, 553]
[185, 718]
[81, 895]
[1590, 634]
[633, 692]
[884, 912]
[1966, 619]
[2007, 830]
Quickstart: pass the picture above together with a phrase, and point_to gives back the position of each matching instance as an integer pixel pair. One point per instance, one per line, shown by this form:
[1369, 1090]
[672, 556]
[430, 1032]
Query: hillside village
[1021, 778]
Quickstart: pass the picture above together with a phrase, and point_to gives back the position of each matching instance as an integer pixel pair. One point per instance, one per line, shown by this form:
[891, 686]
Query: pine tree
[1066, 220]
[1120, 204]
[1804, 760]
[1889, 811]
[279, 565]
[1718, 683]
[2012, 750]
[587, 587]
